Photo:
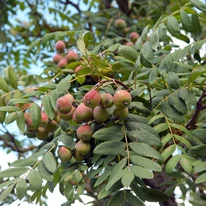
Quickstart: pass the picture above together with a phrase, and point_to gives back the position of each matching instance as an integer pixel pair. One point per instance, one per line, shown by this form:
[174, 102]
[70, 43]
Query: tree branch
[76, 6]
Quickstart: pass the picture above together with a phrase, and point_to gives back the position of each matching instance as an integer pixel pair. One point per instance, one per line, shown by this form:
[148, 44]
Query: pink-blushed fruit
[77, 69]
[100, 114]
[121, 113]
[44, 119]
[62, 63]
[78, 156]
[67, 116]
[74, 118]
[92, 98]
[83, 147]
[84, 132]
[60, 46]
[41, 133]
[70, 97]
[129, 43]
[72, 56]
[122, 99]
[134, 36]
[64, 154]
[57, 58]
[106, 100]
[120, 24]
[29, 123]
[83, 113]
[63, 105]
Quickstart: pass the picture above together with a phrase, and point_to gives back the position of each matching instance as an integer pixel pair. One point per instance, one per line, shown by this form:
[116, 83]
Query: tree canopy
[119, 110]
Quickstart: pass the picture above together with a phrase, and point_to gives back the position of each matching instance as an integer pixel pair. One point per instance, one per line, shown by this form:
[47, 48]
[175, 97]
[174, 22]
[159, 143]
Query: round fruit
[84, 133]
[129, 43]
[62, 63]
[100, 114]
[121, 113]
[134, 36]
[51, 126]
[67, 116]
[92, 98]
[120, 24]
[83, 147]
[60, 46]
[106, 100]
[64, 154]
[41, 133]
[78, 156]
[83, 113]
[72, 56]
[57, 58]
[77, 69]
[63, 105]
[44, 119]
[122, 99]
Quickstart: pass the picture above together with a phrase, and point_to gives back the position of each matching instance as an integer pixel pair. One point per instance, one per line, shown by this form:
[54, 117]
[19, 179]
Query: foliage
[144, 156]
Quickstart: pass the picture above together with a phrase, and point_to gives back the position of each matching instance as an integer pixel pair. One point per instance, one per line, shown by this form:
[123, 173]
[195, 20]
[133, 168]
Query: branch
[123, 5]
[76, 6]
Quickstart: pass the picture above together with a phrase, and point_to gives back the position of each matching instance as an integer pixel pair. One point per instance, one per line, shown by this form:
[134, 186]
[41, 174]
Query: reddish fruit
[129, 43]
[106, 100]
[84, 132]
[122, 99]
[121, 113]
[83, 113]
[120, 24]
[57, 58]
[60, 46]
[72, 56]
[70, 97]
[64, 154]
[74, 118]
[62, 63]
[29, 123]
[67, 116]
[100, 114]
[83, 147]
[134, 36]
[41, 133]
[77, 69]
[63, 105]
[44, 119]
[92, 98]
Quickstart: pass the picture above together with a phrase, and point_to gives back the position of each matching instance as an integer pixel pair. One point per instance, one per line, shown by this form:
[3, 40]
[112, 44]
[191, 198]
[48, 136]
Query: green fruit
[60, 46]
[64, 154]
[106, 100]
[84, 132]
[100, 114]
[51, 126]
[83, 147]
[83, 113]
[63, 105]
[41, 133]
[120, 24]
[92, 98]
[122, 99]
[78, 156]
[121, 113]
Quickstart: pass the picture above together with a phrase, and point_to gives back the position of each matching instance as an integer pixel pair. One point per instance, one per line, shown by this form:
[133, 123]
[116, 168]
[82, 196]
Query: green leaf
[187, 96]
[199, 167]
[49, 162]
[13, 79]
[171, 164]
[144, 33]
[173, 80]
[127, 177]
[67, 140]
[196, 27]
[9, 182]
[183, 140]
[53, 98]
[48, 107]
[113, 180]
[21, 188]
[198, 150]
[141, 172]
[81, 45]
[186, 21]
[20, 121]
[6, 192]
[137, 190]
[13, 172]
[146, 163]
[199, 5]
[3, 84]
[30, 161]
[128, 53]
[144, 150]
[161, 127]
[154, 40]
[152, 76]
[35, 179]
[110, 148]
[117, 199]
[186, 164]
[147, 52]
[196, 73]
[35, 112]
[11, 117]
[9, 109]
[107, 134]
[19, 101]
[168, 152]
[63, 86]
[201, 178]
[103, 176]
[88, 38]
[173, 26]
[44, 172]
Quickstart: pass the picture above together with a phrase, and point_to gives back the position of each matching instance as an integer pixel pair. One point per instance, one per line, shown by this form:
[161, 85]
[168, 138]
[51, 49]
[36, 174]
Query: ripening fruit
[134, 36]
[51, 126]
[92, 98]
[74, 118]
[67, 116]
[62, 63]
[121, 113]
[29, 123]
[120, 24]
[70, 97]
[122, 99]
[63, 105]
[84, 132]
[83, 113]
[41, 133]
[72, 56]
[83, 147]
[100, 114]
[60, 46]
[57, 58]
[106, 100]
[77, 69]
[44, 119]
[64, 154]
[78, 156]
[129, 43]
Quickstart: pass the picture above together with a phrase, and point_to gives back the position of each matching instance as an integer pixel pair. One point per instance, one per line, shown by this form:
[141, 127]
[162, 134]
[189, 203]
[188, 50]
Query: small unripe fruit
[41, 133]
[100, 114]
[83, 147]
[83, 113]
[106, 100]
[62, 63]
[67, 116]
[120, 24]
[63, 105]
[64, 154]
[122, 99]
[60, 46]
[57, 58]
[84, 133]
[134, 36]
[72, 56]
[107, 72]
[44, 119]
[92, 98]
[121, 113]
[78, 156]
[51, 126]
